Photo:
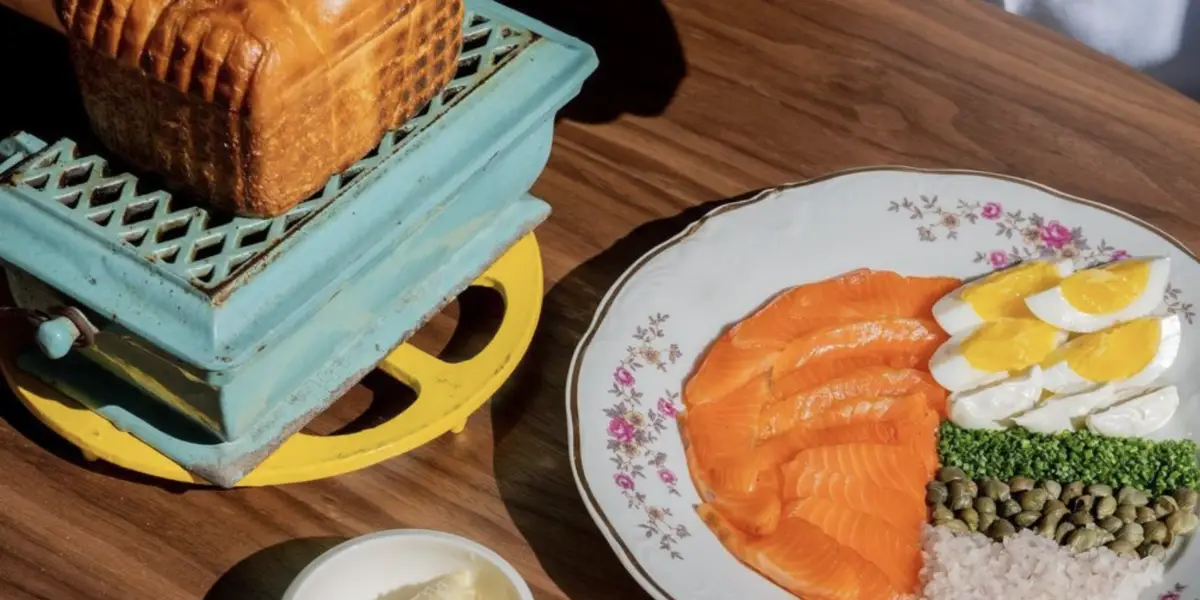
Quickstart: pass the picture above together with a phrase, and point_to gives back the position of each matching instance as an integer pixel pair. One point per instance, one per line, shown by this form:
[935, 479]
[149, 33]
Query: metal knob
[57, 336]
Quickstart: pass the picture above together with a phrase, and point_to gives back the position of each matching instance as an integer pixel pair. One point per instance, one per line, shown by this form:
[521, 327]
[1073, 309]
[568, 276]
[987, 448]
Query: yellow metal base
[447, 394]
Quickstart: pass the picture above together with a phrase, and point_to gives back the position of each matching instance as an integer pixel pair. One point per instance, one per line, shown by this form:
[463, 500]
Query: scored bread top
[239, 54]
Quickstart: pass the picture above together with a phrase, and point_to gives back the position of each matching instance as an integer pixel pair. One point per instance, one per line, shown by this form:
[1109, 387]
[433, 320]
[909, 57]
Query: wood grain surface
[699, 101]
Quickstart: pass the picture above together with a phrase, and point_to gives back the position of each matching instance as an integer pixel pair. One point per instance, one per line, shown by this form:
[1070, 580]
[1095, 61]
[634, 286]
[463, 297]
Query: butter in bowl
[409, 564]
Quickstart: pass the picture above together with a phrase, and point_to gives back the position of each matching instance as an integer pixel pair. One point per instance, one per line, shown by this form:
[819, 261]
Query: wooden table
[775, 91]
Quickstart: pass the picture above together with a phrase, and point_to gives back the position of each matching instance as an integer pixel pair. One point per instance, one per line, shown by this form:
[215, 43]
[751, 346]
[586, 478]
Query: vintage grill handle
[57, 333]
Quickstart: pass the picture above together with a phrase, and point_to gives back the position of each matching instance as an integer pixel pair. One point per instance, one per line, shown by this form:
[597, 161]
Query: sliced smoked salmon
[829, 400]
[915, 428]
[896, 554]
[827, 353]
[720, 430]
[804, 560]
[904, 510]
[750, 346]
[897, 467]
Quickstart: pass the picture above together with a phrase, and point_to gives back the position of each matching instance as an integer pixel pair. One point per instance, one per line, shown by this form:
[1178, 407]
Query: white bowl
[373, 566]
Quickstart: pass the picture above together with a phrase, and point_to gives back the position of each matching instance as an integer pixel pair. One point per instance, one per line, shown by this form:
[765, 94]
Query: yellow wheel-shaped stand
[447, 394]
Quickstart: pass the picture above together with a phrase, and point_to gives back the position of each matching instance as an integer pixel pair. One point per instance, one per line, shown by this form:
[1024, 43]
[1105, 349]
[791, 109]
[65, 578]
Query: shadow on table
[530, 426]
[266, 574]
[641, 58]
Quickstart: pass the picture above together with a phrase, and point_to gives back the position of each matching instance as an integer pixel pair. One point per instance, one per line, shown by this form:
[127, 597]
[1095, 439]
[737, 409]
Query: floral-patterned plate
[626, 376]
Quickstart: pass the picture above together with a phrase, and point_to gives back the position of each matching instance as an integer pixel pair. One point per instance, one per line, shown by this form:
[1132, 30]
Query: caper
[995, 489]
[1008, 508]
[1103, 537]
[1186, 498]
[1126, 513]
[1105, 506]
[1083, 503]
[956, 526]
[1055, 514]
[1000, 529]
[970, 517]
[1169, 540]
[948, 474]
[985, 506]
[958, 496]
[1164, 505]
[1034, 499]
[936, 493]
[1151, 550]
[941, 513]
[1045, 528]
[1081, 539]
[1145, 514]
[1123, 548]
[1110, 524]
[985, 521]
[1061, 532]
[1132, 533]
[1020, 483]
[1026, 518]
[971, 487]
[1154, 531]
[1053, 504]
[1053, 488]
[1100, 490]
[1071, 491]
[1132, 496]
[1181, 523]
[1081, 518]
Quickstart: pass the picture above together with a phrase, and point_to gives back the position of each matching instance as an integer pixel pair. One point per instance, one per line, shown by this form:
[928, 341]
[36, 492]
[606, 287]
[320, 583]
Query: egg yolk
[1002, 294]
[1113, 354]
[1009, 344]
[1106, 289]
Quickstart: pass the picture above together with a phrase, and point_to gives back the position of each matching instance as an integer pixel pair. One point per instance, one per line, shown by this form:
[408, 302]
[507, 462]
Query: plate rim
[624, 554]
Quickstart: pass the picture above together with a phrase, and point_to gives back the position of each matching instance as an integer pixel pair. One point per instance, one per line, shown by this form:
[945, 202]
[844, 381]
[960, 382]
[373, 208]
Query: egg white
[1061, 378]
[952, 370]
[988, 407]
[1140, 416]
[955, 315]
[1052, 306]
[1061, 412]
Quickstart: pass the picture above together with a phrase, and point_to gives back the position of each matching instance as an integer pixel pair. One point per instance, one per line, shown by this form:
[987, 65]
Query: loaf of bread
[251, 105]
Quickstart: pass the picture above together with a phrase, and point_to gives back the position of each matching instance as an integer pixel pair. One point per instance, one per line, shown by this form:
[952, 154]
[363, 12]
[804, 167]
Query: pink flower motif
[1056, 235]
[992, 211]
[998, 258]
[666, 407]
[623, 481]
[667, 476]
[1119, 255]
[620, 429]
[623, 376]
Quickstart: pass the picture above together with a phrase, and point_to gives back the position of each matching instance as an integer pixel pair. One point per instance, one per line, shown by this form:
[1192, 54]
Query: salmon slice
[802, 559]
[720, 431]
[904, 510]
[896, 554]
[898, 467]
[726, 368]
[874, 382]
[749, 347]
[758, 511]
[828, 353]
[852, 296]
[916, 429]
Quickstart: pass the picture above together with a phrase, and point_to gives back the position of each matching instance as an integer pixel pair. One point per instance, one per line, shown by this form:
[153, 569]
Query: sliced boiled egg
[1132, 354]
[1140, 416]
[992, 351]
[998, 295]
[1100, 297]
[987, 407]
[1066, 412]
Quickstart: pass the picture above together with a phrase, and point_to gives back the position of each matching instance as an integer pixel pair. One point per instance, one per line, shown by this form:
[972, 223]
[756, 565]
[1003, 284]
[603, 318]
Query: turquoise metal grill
[247, 328]
[210, 250]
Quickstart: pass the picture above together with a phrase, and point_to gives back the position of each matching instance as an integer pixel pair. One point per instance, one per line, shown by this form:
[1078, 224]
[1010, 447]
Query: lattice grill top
[209, 249]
